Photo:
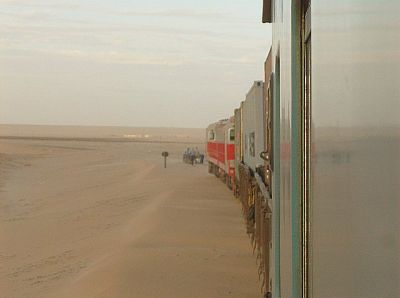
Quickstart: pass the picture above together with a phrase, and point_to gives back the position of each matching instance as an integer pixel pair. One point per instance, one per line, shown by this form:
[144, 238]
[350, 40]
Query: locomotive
[220, 151]
[314, 151]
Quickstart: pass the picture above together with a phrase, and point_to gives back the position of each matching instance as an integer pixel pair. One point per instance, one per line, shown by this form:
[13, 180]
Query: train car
[220, 151]
[334, 152]
[238, 145]
[252, 126]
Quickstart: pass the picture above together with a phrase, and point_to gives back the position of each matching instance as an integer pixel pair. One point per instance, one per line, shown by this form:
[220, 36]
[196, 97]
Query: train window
[232, 135]
[211, 135]
[252, 147]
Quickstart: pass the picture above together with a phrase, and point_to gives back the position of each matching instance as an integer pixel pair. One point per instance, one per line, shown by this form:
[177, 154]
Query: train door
[306, 147]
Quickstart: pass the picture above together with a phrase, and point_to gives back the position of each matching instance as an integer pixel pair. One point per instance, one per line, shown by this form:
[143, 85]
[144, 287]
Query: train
[312, 152]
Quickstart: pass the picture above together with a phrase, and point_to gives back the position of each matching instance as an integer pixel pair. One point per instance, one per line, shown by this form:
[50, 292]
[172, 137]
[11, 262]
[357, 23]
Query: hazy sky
[131, 63]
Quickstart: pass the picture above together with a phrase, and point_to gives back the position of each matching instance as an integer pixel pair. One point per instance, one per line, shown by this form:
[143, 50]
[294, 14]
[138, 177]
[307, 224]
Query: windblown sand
[97, 215]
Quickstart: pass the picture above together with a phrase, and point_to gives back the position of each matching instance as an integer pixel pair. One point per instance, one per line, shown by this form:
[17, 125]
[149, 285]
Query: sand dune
[105, 219]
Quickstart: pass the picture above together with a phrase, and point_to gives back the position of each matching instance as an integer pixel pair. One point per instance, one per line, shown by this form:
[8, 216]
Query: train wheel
[229, 182]
[216, 171]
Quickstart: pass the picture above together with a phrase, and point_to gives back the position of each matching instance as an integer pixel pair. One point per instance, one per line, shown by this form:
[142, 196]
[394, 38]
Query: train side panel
[356, 133]
[252, 126]
[336, 113]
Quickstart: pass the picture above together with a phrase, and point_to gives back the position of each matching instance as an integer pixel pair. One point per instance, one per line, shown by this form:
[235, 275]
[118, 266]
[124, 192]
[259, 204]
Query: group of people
[193, 156]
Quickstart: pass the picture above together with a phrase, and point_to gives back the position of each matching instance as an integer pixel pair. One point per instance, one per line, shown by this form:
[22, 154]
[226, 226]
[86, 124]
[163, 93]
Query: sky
[159, 63]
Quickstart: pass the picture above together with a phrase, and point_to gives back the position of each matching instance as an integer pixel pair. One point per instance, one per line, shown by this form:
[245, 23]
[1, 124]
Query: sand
[97, 215]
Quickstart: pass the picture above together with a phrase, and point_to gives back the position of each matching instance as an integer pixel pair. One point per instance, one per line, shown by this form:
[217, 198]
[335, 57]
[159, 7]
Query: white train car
[336, 148]
[252, 126]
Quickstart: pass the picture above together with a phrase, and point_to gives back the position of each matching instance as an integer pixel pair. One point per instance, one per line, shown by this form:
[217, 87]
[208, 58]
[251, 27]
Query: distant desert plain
[91, 212]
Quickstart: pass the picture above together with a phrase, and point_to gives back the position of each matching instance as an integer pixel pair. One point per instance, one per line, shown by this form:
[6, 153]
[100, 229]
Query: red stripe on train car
[212, 150]
[221, 152]
[231, 151]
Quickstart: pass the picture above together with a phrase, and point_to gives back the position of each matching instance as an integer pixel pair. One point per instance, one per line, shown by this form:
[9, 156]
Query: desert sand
[91, 212]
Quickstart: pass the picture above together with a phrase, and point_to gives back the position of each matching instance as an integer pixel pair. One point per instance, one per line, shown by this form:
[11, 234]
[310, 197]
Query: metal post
[165, 155]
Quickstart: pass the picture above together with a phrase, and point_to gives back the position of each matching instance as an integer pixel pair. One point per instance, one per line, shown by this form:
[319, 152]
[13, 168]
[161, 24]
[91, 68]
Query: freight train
[313, 151]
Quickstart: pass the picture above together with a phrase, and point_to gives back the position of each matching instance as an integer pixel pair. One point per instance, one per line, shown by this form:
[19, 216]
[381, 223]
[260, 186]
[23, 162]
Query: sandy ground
[83, 218]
